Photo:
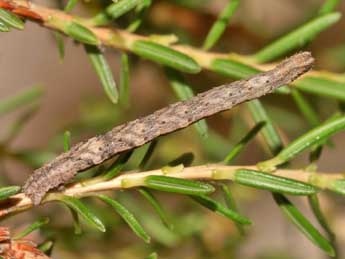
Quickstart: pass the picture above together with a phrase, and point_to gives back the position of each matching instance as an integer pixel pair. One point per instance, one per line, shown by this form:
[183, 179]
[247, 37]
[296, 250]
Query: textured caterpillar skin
[169, 119]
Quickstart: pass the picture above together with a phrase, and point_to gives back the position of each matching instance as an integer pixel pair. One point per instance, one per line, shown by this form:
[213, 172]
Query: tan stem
[20, 202]
[120, 39]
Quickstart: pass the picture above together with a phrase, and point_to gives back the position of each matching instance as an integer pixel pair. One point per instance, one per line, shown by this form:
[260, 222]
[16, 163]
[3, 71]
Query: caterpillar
[166, 120]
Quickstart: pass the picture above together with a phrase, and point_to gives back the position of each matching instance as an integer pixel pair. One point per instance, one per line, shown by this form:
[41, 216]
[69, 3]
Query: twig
[120, 39]
[21, 202]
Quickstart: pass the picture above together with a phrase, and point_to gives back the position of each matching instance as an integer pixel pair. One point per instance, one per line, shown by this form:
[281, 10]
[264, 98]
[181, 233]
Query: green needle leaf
[127, 216]
[8, 191]
[60, 44]
[148, 154]
[81, 33]
[66, 141]
[114, 11]
[231, 204]
[305, 108]
[117, 166]
[83, 211]
[177, 185]
[140, 10]
[186, 159]
[220, 209]
[157, 207]
[76, 222]
[183, 91]
[272, 183]
[166, 56]
[297, 38]
[232, 68]
[304, 225]
[124, 80]
[25, 97]
[240, 145]
[121, 7]
[328, 6]
[270, 134]
[36, 225]
[11, 20]
[46, 247]
[103, 71]
[70, 5]
[322, 87]
[4, 27]
[100, 19]
[20, 123]
[309, 139]
[220, 25]
[315, 205]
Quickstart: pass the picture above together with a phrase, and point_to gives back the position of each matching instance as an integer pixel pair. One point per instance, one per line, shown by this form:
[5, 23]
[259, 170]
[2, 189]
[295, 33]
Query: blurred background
[72, 99]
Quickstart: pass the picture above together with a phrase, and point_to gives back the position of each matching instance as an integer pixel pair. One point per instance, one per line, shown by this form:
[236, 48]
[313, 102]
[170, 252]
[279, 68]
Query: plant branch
[120, 39]
[132, 179]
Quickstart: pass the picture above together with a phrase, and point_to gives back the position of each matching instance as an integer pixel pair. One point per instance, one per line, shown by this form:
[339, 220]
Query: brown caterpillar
[169, 119]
